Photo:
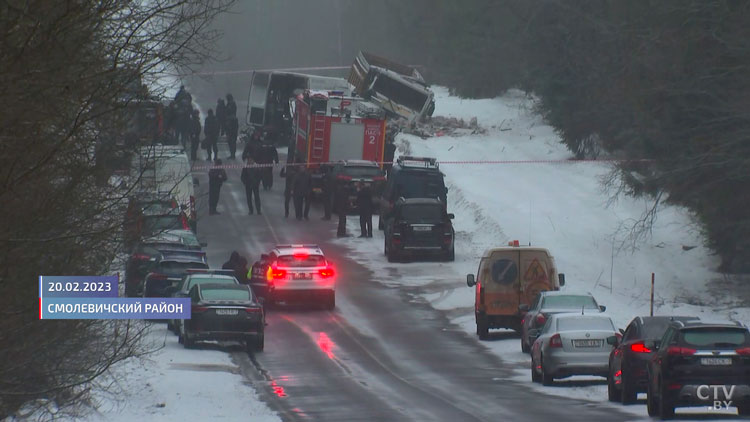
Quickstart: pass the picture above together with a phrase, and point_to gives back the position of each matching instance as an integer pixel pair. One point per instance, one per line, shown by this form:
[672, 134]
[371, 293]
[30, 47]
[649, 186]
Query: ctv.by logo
[722, 395]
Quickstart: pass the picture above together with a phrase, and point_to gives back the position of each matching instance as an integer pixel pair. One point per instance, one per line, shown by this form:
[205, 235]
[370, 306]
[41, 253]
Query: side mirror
[451, 216]
[561, 279]
[170, 291]
[196, 182]
[612, 341]
[534, 333]
[523, 307]
[204, 244]
[602, 308]
[470, 280]
[652, 344]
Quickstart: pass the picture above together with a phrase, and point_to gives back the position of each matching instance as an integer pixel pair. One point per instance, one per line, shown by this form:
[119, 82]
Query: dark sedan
[168, 272]
[224, 312]
[627, 362]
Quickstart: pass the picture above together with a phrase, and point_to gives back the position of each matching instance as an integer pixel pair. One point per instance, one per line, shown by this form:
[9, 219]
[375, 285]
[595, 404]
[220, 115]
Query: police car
[295, 273]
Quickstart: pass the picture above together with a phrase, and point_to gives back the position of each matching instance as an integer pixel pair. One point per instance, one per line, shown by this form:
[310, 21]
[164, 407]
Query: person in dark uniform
[250, 177]
[364, 205]
[257, 278]
[216, 177]
[233, 258]
[232, 129]
[342, 209]
[327, 193]
[231, 107]
[221, 115]
[195, 134]
[253, 148]
[290, 171]
[388, 153]
[301, 191]
[270, 156]
[240, 270]
[211, 130]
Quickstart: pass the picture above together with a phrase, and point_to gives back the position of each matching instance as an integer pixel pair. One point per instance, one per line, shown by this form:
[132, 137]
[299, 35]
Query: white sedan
[572, 344]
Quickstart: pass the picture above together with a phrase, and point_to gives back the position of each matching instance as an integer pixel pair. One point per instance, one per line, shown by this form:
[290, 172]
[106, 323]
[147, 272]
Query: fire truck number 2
[372, 134]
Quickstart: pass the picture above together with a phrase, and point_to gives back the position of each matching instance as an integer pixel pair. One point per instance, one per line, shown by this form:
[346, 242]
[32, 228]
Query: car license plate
[587, 343]
[422, 228]
[302, 276]
[227, 312]
[716, 361]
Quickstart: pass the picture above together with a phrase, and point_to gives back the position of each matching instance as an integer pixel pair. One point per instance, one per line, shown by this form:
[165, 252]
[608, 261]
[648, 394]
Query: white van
[166, 169]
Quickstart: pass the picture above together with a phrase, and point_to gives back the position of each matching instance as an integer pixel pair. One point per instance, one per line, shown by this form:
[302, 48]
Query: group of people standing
[223, 123]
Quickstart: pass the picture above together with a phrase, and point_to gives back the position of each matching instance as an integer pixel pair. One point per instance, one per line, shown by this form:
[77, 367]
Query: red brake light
[140, 256]
[184, 220]
[555, 341]
[540, 320]
[639, 348]
[300, 255]
[378, 178]
[274, 273]
[744, 351]
[157, 276]
[326, 272]
[253, 310]
[198, 309]
[344, 177]
[680, 351]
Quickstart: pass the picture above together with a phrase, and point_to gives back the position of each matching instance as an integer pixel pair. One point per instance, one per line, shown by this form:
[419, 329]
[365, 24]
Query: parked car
[506, 278]
[168, 271]
[295, 273]
[697, 364]
[571, 344]
[347, 173]
[141, 204]
[223, 312]
[193, 277]
[418, 227]
[627, 361]
[552, 302]
[412, 177]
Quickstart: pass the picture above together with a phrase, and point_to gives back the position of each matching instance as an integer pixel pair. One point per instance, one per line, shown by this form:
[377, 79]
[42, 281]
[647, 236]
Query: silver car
[572, 344]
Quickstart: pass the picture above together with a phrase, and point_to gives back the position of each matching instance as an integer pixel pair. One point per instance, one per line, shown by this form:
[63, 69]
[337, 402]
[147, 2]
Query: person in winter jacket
[342, 209]
[216, 177]
[211, 130]
[302, 190]
[233, 259]
[364, 205]
[253, 148]
[221, 115]
[291, 171]
[232, 127]
[269, 156]
[250, 177]
[327, 194]
[231, 107]
[195, 134]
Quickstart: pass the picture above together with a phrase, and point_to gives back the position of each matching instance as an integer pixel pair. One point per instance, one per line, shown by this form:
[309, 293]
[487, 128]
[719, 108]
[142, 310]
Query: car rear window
[226, 294]
[584, 323]
[218, 280]
[156, 224]
[422, 212]
[178, 267]
[654, 330]
[301, 261]
[415, 184]
[569, 302]
[362, 171]
[715, 337]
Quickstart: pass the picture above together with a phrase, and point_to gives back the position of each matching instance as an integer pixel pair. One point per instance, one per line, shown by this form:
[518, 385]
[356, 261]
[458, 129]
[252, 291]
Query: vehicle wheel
[525, 347]
[547, 379]
[613, 394]
[666, 407]
[743, 410]
[392, 255]
[483, 330]
[534, 376]
[628, 395]
[651, 402]
[188, 342]
[255, 344]
[451, 256]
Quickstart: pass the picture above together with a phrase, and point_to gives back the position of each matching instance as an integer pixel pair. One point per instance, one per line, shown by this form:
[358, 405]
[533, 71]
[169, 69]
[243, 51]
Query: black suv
[627, 361]
[419, 226]
[699, 364]
[412, 177]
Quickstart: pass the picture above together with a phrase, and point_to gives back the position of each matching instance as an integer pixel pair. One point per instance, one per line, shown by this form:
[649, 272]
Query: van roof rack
[411, 161]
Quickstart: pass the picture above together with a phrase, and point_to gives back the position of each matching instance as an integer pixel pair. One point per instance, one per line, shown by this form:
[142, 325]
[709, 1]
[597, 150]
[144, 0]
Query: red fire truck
[330, 127]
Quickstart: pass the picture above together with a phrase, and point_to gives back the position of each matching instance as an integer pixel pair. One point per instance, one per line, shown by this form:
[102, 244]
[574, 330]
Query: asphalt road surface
[379, 356]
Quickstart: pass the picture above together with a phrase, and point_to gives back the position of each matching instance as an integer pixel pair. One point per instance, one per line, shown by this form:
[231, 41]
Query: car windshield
[226, 294]
[157, 208]
[584, 323]
[362, 171]
[173, 267]
[569, 302]
[156, 224]
[422, 212]
[192, 281]
[296, 261]
[715, 337]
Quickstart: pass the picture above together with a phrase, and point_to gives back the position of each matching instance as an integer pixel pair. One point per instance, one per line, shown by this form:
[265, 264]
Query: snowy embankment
[550, 202]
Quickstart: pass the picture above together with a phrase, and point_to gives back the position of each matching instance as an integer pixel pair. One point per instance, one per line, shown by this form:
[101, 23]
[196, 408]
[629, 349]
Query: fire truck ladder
[318, 135]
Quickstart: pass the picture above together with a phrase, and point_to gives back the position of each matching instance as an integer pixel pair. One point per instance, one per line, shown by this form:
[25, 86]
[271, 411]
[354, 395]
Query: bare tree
[70, 69]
